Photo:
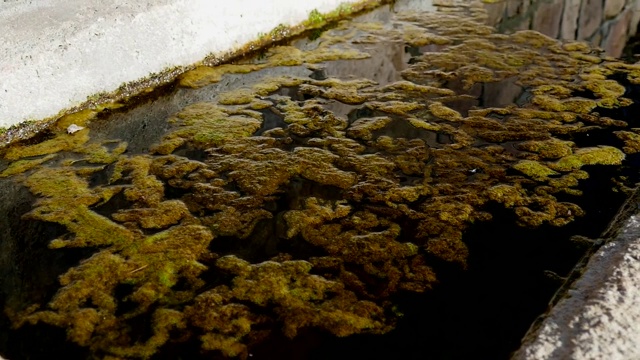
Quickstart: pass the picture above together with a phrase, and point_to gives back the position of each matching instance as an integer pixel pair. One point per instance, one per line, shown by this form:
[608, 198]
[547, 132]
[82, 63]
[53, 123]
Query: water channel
[408, 184]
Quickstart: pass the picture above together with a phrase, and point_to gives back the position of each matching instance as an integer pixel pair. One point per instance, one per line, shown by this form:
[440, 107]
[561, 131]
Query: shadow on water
[481, 312]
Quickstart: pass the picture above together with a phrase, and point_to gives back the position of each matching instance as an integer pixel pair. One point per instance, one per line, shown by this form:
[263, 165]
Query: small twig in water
[138, 269]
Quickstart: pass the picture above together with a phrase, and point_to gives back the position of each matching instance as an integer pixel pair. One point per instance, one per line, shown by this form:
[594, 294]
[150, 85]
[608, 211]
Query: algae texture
[230, 230]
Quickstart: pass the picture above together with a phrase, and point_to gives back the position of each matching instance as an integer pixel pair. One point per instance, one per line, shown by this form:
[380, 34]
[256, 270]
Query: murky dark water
[405, 187]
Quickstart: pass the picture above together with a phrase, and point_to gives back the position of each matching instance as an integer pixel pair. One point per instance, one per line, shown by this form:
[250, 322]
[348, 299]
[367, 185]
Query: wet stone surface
[405, 186]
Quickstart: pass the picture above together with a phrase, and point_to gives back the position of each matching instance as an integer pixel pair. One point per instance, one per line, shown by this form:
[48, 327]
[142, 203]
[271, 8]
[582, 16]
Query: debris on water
[73, 128]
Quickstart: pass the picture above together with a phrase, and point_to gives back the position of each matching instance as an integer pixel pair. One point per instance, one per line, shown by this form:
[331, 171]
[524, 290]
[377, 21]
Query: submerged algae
[323, 218]
[20, 166]
[204, 125]
[276, 56]
[286, 288]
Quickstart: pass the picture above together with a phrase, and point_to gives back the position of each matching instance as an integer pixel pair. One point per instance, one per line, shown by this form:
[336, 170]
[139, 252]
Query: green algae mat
[338, 188]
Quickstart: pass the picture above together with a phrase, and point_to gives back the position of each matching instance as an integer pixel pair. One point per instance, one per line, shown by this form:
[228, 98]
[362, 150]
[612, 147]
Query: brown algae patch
[631, 141]
[317, 219]
[205, 125]
[297, 296]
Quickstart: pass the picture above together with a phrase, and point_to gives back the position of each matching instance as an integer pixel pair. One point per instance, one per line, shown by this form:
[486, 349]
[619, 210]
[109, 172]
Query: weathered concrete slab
[55, 53]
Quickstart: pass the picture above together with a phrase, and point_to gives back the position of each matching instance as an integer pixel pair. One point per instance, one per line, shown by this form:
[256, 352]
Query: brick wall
[604, 23]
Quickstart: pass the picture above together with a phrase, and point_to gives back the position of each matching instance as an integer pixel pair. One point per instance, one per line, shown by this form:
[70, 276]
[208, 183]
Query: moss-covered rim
[155, 84]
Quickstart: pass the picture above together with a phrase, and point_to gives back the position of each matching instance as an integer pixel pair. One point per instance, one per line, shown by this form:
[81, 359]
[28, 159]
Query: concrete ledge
[55, 53]
[597, 316]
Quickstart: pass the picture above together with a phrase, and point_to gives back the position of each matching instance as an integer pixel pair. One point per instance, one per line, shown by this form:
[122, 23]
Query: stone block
[616, 38]
[596, 39]
[502, 93]
[569, 26]
[591, 14]
[612, 8]
[523, 24]
[517, 7]
[635, 19]
[496, 12]
[547, 18]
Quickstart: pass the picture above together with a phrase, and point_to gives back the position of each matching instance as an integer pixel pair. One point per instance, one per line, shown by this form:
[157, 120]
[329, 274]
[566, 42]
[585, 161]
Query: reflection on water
[606, 24]
[399, 189]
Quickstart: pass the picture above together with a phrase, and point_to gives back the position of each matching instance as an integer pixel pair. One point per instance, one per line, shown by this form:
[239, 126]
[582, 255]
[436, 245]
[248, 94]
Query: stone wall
[604, 23]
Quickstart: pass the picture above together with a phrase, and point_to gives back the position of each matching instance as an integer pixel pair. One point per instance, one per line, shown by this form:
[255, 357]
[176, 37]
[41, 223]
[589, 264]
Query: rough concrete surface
[599, 318]
[55, 53]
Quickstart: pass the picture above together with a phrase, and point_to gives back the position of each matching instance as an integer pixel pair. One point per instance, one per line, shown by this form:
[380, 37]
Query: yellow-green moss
[315, 17]
[574, 105]
[548, 149]
[80, 118]
[421, 124]
[631, 141]
[99, 154]
[205, 125]
[534, 169]
[237, 97]
[508, 195]
[21, 166]
[601, 155]
[276, 56]
[271, 84]
[166, 213]
[567, 182]
[443, 112]
[417, 37]
[66, 200]
[364, 128]
[206, 75]
[60, 142]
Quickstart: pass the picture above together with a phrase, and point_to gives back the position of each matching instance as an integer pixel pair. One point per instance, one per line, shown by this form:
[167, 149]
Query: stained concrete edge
[598, 316]
[56, 53]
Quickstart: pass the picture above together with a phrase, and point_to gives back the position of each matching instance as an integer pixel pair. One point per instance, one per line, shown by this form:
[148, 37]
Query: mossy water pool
[405, 184]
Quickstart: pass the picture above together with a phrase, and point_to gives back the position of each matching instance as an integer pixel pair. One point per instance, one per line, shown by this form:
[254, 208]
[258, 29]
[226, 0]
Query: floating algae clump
[631, 141]
[299, 298]
[20, 166]
[276, 56]
[602, 155]
[534, 169]
[271, 209]
[61, 142]
[204, 125]
[66, 200]
[548, 149]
